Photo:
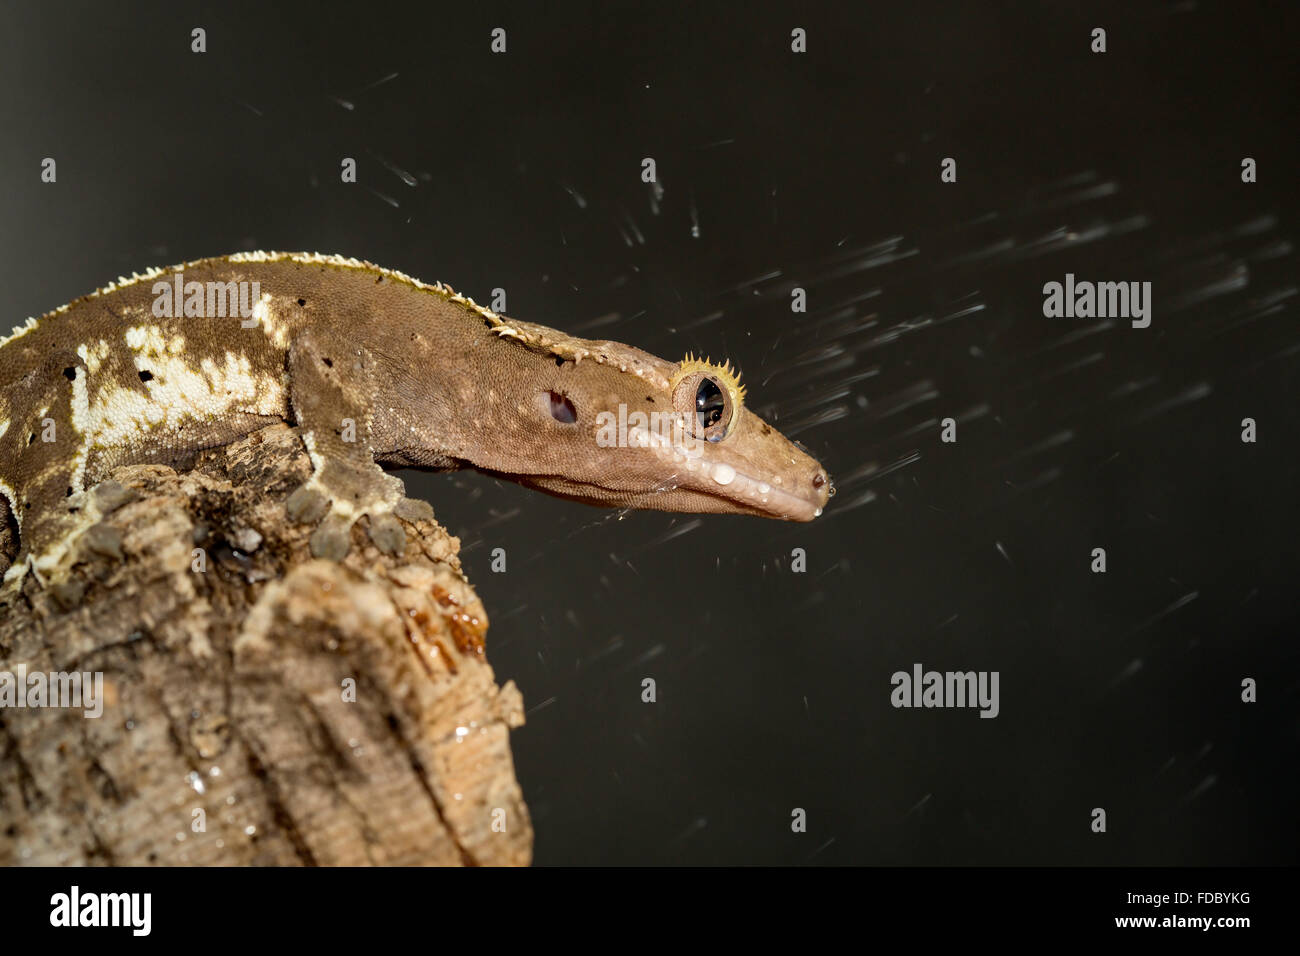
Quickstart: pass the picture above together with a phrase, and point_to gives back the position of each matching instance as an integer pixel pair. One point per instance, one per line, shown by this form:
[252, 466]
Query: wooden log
[258, 706]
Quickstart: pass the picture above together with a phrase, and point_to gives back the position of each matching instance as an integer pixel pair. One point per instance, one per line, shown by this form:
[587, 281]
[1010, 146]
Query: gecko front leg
[332, 391]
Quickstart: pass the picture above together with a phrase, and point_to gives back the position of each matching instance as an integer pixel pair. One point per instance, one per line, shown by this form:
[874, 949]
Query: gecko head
[616, 426]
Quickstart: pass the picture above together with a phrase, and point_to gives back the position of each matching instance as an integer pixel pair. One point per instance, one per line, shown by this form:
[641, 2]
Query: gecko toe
[332, 539]
[387, 534]
[413, 509]
[306, 505]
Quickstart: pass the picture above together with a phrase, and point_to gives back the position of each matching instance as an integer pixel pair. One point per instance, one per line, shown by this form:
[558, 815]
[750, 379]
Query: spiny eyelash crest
[726, 376]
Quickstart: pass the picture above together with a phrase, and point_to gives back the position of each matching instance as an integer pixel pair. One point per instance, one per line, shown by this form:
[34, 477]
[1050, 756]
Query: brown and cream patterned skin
[375, 368]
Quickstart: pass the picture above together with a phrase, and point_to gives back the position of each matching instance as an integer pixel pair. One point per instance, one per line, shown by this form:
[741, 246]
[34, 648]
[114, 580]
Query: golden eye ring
[708, 396]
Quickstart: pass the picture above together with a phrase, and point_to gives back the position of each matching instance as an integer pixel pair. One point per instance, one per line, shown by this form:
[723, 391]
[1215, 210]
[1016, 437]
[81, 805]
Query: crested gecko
[375, 368]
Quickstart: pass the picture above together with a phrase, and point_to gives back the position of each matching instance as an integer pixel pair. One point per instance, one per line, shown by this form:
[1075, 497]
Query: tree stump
[259, 706]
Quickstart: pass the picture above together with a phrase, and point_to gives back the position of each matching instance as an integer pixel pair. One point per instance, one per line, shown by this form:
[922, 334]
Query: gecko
[375, 369]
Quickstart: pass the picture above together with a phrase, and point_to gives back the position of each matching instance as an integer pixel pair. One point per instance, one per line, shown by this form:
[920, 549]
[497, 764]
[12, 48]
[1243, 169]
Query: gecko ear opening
[561, 408]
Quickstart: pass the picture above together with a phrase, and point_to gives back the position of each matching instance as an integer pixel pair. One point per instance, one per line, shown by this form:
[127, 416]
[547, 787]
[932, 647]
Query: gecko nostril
[819, 480]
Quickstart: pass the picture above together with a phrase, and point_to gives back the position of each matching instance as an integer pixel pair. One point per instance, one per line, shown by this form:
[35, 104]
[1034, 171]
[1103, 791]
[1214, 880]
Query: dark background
[821, 170]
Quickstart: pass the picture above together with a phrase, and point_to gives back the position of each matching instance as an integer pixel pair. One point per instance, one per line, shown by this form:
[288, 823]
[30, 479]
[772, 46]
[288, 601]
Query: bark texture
[260, 706]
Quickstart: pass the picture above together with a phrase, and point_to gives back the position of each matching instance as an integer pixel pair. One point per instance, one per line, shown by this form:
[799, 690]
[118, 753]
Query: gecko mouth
[737, 494]
[796, 494]
[768, 498]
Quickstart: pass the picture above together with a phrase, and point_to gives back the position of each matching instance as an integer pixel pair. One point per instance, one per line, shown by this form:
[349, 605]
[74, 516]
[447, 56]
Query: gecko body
[375, 368]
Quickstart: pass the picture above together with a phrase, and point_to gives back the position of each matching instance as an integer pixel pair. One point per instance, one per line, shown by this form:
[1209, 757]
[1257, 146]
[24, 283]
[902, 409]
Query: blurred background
[820, 171]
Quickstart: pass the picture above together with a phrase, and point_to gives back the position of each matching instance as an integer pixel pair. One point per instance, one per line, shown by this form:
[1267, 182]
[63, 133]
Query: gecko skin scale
[374, 368]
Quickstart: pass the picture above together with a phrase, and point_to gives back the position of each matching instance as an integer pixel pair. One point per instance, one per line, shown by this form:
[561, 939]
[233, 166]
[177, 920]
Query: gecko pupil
[709, 403]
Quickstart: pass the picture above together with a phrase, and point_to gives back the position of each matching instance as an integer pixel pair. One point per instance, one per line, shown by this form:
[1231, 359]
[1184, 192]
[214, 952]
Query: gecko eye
[704, 406]
[709, 403]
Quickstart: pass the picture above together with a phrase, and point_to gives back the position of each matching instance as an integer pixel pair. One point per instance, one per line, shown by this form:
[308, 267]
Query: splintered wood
[258, 706]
